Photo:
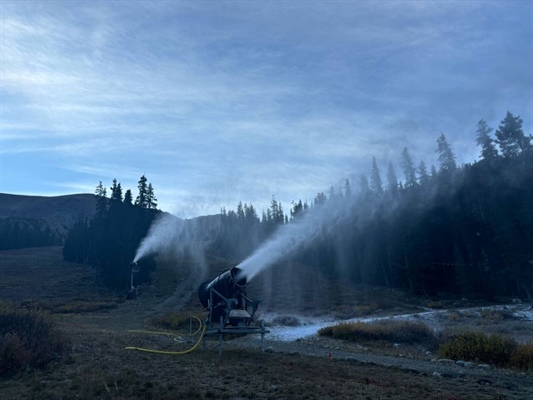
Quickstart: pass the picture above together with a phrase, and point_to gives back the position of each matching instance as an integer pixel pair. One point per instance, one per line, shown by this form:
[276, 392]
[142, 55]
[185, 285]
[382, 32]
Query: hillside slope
[59, 212]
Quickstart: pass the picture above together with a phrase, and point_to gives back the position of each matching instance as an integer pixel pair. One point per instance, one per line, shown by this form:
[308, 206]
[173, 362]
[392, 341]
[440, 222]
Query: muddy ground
[99, 327]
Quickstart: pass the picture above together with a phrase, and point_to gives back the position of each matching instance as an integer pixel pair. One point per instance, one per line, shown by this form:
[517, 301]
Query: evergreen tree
[408, 169]
[320, 199]
[142, 197]
[240, 211]
[446, 156]
[297, 209]
[391, 179]
[250, 215]
[128, 197]
[364, 187]
[423, 176]
[151, 200]
[116, 191]
[101, 201]
[276, 212]
[511, 137]
[483, 139]
[375, 179]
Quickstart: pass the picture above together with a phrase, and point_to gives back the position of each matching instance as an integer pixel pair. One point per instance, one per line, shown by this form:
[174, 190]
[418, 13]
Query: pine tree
[128, 197]
[141, 199]
[408, 169]
[375, 179]
[446, 156]
[423, 176]
[101, 201]
[511, 137]
[364, 187]
[320, 199]
[483, 139]
[116, 191]
[151, 200]
[297, 209]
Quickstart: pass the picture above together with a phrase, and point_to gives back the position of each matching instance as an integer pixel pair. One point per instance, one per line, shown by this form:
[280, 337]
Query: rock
[445, 361]
[484, 381]
[437, 374]
[269, 349]
[484, 366]
[466, 364]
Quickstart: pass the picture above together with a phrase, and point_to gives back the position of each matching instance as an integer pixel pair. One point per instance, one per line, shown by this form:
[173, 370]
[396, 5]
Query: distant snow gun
[230, 309]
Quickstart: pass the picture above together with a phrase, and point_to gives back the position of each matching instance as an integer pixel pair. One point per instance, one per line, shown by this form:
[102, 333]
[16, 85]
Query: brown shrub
[523, 357]
[479, 347]
[391, 331]
[28, 338]
[84, 306]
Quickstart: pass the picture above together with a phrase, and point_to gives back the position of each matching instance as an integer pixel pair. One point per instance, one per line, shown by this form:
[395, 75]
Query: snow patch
[310, 326]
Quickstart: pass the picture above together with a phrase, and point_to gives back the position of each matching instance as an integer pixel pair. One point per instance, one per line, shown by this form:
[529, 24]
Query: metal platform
[222, 330]
[229, 315]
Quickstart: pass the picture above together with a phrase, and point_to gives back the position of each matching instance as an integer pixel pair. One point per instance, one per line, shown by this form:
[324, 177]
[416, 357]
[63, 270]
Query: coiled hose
[201, 327]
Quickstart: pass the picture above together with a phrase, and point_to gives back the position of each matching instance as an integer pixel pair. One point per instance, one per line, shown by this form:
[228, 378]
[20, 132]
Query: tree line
[466, 230]
[462, 229]
[109, 240]
[20, 233]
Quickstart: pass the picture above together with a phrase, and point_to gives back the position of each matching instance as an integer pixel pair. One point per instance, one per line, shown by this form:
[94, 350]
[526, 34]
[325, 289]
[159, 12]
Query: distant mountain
[57, 212]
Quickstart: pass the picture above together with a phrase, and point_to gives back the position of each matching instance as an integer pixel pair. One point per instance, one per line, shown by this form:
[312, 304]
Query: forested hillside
[108, 241]
[34, 221]
[461, 229]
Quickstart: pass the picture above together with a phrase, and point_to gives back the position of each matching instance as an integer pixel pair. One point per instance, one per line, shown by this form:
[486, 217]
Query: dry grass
[479, 347]
[178, 321]
[389, 331]
[29, 338]
[522, 358]
[99, 367]
[84, 306]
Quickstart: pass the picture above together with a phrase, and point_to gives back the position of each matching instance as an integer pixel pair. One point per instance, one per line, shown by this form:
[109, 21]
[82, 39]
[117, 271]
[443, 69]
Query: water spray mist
[315, 222]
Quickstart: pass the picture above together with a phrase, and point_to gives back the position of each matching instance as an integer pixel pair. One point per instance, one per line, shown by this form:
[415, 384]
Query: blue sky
[221, 102]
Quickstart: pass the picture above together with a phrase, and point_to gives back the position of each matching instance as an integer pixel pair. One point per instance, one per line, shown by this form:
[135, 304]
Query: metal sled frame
[245, 324]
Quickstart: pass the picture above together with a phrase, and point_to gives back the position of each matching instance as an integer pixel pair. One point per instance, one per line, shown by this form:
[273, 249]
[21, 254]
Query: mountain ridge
[60, 212]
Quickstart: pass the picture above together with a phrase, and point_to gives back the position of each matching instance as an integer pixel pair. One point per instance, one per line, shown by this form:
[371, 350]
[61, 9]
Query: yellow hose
[166, 333]
[162, 333]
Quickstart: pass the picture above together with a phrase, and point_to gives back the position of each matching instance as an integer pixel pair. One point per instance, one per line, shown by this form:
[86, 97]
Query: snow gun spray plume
[317, 221]
[173, 238]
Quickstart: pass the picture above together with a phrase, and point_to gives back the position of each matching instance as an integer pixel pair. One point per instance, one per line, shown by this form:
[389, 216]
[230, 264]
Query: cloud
[228, 101]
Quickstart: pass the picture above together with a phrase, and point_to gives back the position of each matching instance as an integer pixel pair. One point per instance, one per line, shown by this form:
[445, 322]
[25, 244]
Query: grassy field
[98, 327]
